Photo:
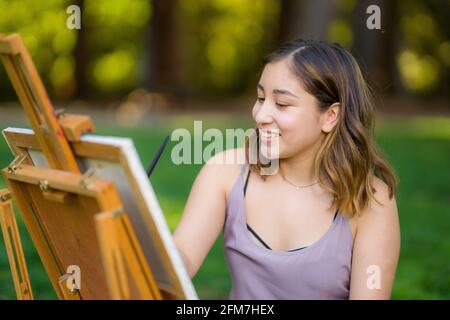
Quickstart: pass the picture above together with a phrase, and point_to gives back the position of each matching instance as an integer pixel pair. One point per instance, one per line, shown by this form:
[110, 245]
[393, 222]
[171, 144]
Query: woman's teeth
[269, 134]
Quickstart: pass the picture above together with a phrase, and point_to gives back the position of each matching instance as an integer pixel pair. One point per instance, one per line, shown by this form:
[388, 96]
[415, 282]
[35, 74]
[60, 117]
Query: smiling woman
[324, 101]
[325, 224]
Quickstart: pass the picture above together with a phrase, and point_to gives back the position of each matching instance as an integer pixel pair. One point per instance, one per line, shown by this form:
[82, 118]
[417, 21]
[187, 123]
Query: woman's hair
[348, 158]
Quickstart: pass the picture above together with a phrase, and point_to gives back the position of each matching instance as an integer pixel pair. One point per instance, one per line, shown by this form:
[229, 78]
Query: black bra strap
[256, 235]
[246, 182]
[264, 243]
[297, 249]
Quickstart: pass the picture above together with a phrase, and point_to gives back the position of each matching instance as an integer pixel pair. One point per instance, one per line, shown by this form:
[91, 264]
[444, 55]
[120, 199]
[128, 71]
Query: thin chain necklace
[297, 187]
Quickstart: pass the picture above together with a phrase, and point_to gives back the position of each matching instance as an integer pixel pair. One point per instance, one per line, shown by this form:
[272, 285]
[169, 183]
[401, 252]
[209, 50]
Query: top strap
[246, 180]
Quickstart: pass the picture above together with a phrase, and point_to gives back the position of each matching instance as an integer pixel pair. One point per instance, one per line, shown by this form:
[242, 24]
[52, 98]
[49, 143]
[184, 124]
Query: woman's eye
[261, 100]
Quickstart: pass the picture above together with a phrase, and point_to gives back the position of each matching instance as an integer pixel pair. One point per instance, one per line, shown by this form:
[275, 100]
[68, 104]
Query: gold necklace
[296, 186]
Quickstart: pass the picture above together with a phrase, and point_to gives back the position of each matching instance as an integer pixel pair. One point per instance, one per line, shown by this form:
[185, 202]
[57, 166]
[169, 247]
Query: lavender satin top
[319, 271]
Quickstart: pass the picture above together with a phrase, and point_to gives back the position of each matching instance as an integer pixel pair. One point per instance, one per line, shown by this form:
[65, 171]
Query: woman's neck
[299, 169]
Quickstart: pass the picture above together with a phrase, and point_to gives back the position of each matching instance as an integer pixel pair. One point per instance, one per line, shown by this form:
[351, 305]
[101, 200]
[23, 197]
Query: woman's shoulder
[226, 166]
[231, 157]
[382, 209]
[382, 200]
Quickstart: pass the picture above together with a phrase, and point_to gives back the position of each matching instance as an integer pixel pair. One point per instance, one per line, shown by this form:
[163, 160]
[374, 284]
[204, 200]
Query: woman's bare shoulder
[381, 210]
[225, 167]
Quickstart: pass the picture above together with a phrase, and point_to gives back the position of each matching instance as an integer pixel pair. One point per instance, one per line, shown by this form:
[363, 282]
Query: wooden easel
[71, 215]
[14, 245]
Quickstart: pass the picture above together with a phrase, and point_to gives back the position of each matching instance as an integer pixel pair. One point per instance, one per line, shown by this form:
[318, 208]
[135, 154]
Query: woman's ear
[330, 117]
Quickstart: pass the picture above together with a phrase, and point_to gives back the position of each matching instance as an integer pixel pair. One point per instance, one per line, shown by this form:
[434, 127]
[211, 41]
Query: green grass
[419, 150]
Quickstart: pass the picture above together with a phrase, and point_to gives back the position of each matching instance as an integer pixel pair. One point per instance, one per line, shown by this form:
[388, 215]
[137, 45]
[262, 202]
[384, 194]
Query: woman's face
[284, 106]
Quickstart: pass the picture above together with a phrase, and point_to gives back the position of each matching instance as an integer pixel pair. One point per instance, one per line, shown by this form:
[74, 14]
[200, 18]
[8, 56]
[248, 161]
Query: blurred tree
[81, 55]
[305, 19]
[164, 66]
[376, 49]
[222, 43]
[440, 12]
[423, 60]
[116, 42]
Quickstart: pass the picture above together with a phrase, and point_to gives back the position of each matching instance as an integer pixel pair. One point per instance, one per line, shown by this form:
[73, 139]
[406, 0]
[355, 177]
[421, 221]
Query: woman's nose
[263, 114]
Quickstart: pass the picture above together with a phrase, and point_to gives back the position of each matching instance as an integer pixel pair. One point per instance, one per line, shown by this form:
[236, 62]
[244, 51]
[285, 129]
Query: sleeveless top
[319, 271]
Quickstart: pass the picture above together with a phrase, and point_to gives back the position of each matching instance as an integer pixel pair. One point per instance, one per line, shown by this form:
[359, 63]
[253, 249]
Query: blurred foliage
[116, 42]
[339, 29]
[225, 40]
[114, 49]
[220, 44]
[424, 60]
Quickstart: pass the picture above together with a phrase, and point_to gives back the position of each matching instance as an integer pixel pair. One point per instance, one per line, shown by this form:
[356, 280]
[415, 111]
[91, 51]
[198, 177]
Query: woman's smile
[269, 135]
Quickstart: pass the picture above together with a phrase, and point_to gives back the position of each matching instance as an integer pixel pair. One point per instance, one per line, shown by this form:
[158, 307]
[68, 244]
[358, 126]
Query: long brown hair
[348, 158]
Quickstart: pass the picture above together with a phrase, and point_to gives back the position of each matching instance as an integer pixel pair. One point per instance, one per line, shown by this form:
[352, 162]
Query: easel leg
[120, 251]
[14, 247]
[113, 259]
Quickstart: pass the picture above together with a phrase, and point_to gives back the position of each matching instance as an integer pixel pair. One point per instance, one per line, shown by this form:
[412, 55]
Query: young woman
[325, 226]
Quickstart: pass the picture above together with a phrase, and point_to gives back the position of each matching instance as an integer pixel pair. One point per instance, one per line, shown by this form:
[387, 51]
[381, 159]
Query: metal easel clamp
[84, 182]
[15, 164]
[118, 212]
[5, 196]
[63, 278]
[59, 113]
[43, 185]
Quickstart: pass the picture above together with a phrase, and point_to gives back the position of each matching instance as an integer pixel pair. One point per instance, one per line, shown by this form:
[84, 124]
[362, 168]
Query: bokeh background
[143, 68]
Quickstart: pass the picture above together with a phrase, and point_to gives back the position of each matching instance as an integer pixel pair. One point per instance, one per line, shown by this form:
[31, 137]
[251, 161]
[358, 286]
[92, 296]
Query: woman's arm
[376, 249]
[204, 213]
